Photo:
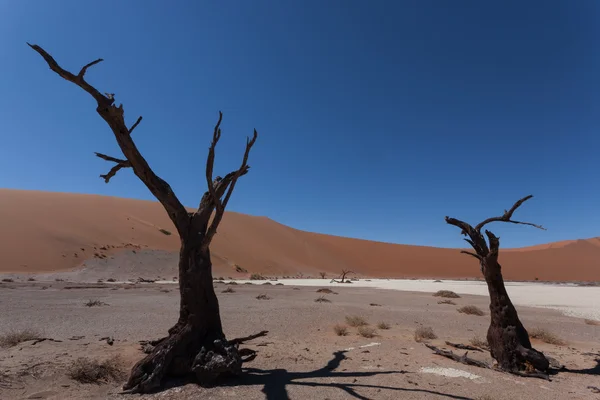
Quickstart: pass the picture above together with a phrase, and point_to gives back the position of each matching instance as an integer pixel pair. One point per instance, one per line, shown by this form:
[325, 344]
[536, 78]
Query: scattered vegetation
[326, 291]
[546, 336]
[322, 274]
[164, 231]
[366, 331]
[30, 279]
[14, 338]
[232, 283]
[228, 290]
[592, 322]
[240, 269]
[471, 310]
[340, 330]
[375, 305]
[257, 277]
[356, 321]
[449, 294]
[8, 280]
[95, 303]
[85, 370]
[111, 280]
[479, 342]
[424, 333]
[447, 302]
[322, 299]
[263, 297]
[383, 325]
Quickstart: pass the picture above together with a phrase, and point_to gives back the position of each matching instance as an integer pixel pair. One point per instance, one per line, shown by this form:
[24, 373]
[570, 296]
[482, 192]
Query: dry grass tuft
[263, 297]
[326, 291]
[479, 342]
[8, 280]
[592, 322]
[383, 325]
[14, 338]
[85, 370]
[95, 303]
[322, 299]
[356, 321]
[366, 331]
[471, 310]
[424, 333]
[257, 277]
[447, 302]
[228, 290]
[546, 336]
[449, 294]
[340, 330]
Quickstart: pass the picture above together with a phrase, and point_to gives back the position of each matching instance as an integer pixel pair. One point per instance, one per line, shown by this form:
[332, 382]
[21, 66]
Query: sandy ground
[300, 358]
[43, 232]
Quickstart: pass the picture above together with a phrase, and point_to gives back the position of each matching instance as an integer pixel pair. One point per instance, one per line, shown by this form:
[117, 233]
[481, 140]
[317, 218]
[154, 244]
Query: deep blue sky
[376, 119]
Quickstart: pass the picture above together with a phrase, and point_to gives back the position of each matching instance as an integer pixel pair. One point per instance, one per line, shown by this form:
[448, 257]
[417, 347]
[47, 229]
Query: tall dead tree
[196, 343]
[508, 340]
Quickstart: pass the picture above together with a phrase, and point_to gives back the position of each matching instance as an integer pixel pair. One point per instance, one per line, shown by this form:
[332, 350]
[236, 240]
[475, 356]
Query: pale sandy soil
[301, 358]
[44, 232]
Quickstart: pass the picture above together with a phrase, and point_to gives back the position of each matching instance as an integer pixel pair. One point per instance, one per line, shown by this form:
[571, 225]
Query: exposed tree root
[463, 346]
[248, 338]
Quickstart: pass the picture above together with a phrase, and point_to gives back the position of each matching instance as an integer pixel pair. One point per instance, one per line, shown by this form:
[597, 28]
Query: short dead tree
[343, 277]
[196, 343]
[507, 338]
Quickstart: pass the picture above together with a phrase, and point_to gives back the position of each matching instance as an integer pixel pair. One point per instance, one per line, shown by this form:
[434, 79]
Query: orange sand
[45, 232]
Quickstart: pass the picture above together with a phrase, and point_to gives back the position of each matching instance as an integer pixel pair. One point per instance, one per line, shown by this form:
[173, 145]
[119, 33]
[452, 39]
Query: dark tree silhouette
[196, 343]
[343, 277]
[508, 340]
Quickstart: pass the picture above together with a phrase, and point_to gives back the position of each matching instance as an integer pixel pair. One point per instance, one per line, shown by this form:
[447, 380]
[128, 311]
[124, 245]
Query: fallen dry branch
[238, 341]
[39, 340]
[463, 346]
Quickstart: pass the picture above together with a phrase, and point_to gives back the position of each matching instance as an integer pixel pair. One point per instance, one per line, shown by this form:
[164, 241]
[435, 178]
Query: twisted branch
[113, 171]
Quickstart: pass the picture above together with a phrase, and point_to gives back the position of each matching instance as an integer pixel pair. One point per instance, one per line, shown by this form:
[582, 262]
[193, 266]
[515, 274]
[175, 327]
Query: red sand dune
[43, 232]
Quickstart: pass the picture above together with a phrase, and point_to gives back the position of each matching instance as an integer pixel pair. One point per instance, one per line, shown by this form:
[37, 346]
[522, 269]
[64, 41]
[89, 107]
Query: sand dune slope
[44, 232]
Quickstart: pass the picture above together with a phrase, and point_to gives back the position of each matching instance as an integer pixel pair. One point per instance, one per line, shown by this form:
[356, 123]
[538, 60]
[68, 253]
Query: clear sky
[376, 118]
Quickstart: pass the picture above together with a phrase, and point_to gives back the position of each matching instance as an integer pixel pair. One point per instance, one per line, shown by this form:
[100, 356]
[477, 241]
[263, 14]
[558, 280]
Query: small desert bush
[8, 280]
[383, 325]
[340, 330]
[592, 322]
[546, 336]
[479, 342]
[449, 294]
[111, 280]
[263, 297]
[322, 299]
[257, 277]
[325, 290]
[30, 279]
[95, 303]
[14, 338]
[447, 302]
[366, 331]
[164, 231]
[228, 290]
[85, 370]
[355, 321]
[471, 310]
[424, 333]
[240, 269]
[232, 283]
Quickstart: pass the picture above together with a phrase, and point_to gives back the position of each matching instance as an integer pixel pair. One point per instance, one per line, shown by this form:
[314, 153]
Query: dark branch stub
[113, 171]
[507, 337]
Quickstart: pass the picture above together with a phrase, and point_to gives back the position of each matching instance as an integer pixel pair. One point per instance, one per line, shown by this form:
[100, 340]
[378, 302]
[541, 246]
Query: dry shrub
[257, 277]
[322, 299]
[366, 331]
[592, 322]
[546, 336]
[263, 297]
[356, 321]
[165, 232]
[471, 310]
[449, 294]
[30, 279]
[111, 280]
[85, 370]
[424, 333]
[340, 330]
[479, 342]
[15, 337]
[8, 280]
[240, 269]
[447, 302]
[326, 291]
[228, 290]
[383, 325]
[232, 283]
[95, 303]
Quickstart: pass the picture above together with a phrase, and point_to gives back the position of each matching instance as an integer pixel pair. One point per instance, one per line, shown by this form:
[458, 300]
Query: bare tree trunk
[507, 337]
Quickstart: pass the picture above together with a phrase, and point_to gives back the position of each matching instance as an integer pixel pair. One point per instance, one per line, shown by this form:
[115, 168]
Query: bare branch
[506, 217]
[210, 161]
[119, 164]
[135, 125]
[471, 254]
[85, 67]
[114, 117]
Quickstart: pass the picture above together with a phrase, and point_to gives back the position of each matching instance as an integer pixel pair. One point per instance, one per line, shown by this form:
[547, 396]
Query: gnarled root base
[511, 348]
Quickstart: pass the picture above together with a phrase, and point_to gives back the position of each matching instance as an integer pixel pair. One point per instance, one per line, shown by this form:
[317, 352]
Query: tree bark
[196, 344]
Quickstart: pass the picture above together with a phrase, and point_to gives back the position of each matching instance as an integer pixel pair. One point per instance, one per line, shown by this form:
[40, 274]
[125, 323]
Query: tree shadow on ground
[587, 371]
[275, 381]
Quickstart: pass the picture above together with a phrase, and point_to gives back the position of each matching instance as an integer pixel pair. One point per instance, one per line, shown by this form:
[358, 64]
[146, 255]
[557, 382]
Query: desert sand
[42, 232]
[300, 358]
